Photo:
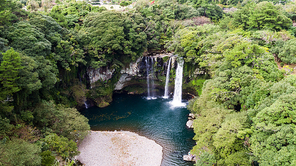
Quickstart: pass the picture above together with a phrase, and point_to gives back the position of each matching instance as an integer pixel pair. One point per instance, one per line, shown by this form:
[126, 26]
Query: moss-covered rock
[78, 92]
[103, 104]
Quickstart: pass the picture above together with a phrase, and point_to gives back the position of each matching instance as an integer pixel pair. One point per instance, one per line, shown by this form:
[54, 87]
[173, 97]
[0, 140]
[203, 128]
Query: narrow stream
[154, 119]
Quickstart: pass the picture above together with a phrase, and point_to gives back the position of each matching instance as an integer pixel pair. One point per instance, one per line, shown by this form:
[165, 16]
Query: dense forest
[245, 109]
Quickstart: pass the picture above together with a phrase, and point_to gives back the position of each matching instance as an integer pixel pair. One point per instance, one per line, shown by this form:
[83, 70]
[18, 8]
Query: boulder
[192, 115]
[103, 104]
[189, 157]
[189, 124]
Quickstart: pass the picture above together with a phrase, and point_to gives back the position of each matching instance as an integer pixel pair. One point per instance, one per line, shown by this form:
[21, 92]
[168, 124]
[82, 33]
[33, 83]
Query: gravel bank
[124, 148]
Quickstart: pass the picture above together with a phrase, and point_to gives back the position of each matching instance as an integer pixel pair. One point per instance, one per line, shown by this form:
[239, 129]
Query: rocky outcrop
[121, 82]
[78, 92]
[133, 69]
[99, 83]
[131, 79]
[189, 123]
[163, 55]
[127, 73]
[135, 72]
[189, 157]
[102, 74]
[191, 116]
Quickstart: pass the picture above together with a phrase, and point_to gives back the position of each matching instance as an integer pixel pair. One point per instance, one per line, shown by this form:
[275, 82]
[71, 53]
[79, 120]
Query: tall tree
[9, 70]
[5, 12]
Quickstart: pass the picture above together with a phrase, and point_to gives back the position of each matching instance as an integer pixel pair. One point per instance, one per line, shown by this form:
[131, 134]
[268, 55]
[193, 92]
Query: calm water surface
[154, 119]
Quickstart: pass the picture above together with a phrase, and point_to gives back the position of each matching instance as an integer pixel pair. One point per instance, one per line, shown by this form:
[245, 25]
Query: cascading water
[86, 105]
[152, 79]
[150, 74]
[177, 100]
[148, 78]
[166, 89]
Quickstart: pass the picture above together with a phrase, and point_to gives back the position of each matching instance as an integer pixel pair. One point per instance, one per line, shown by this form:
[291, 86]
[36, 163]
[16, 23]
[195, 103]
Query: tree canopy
[245, 109]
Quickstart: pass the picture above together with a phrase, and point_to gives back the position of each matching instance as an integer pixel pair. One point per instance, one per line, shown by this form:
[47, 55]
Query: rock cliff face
[131, 79]
[102, 74]
[135, 74]
[124, 78]
[133, 69]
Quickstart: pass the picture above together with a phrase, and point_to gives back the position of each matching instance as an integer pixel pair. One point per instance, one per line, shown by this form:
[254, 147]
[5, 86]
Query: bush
[19, 152]
[67, 122]
[288, 53]
[61, 145]
[47, 158]
[125, 3]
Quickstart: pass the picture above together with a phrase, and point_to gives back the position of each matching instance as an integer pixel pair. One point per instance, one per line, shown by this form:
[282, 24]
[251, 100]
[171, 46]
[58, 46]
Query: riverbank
[122, 148]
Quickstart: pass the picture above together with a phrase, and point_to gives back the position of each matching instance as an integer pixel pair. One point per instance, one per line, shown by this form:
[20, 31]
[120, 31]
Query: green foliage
[244, 54]
[268, 16]
[246, 108]
[61, 145]
[263, 15]
[198, 3]
[206, 159]
[186, 42]
[4, 12]
[116, 36]
[70, 15]
[241, 71]
[26, 38]
[29, 79]
[287, 53]
[274, 132]
[79, 94]
[67, 122]
[9, 11]
[157, 19]
[197, 84]
[125, 3]
[47, 158]
[9, 71]
[5, 126]
[19, 152]
[227, 140]
[212, 11]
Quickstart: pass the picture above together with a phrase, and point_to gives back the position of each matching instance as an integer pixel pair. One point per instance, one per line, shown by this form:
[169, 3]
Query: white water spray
[152, 79]
[166, 89]
[148, 79]
[177, 100]
[150, 75]
[86, 105]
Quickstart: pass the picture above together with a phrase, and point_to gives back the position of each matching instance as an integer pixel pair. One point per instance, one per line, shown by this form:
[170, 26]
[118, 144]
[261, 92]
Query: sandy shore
[124, 148]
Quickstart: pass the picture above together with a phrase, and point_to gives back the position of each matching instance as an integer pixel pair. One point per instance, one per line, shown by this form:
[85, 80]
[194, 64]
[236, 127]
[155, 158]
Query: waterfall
[166, 89]
[150, 75]
[152, 79]
[177, 100]
[85, 104]
[148, 79]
